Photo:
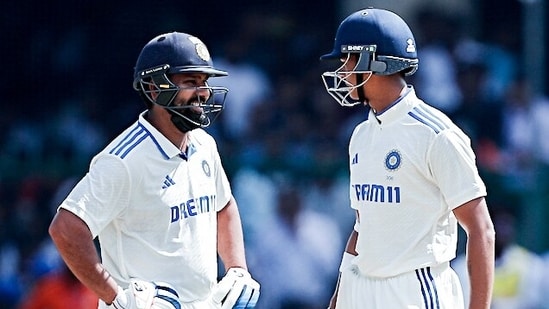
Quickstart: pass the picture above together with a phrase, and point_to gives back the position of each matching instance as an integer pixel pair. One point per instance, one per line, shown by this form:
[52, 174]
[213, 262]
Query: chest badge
[393, 160]
[206, 168]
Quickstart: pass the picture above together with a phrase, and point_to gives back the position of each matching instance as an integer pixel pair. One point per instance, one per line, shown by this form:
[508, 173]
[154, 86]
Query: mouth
[195, 107]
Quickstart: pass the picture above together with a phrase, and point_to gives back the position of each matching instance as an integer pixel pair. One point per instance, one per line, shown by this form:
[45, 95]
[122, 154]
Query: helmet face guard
[157, 88]
[337, 82]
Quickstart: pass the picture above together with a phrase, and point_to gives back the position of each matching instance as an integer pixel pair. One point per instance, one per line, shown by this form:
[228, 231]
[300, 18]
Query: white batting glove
[236, 290]
[146, 295]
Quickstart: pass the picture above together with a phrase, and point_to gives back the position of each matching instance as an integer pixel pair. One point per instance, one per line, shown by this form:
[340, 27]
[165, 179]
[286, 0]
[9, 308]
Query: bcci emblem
[393, 160]
[201, 49]
[206, 168]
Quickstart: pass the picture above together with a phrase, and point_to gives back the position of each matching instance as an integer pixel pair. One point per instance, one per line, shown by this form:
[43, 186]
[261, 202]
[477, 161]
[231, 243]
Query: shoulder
[202, 138]
[201, 134]
[430, 117]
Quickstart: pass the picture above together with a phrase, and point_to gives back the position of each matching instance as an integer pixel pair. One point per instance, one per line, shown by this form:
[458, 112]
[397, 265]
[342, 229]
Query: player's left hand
[146, 295]
[237, 289]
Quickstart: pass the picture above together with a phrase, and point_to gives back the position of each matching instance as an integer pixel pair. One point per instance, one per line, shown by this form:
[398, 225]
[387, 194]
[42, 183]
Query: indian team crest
[201, 49]
[206, 168]
[393, 160]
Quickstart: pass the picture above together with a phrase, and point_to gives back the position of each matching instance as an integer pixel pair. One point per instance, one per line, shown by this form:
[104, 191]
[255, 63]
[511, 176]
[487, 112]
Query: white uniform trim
[427, 288]
[410, 166]
[154, 211]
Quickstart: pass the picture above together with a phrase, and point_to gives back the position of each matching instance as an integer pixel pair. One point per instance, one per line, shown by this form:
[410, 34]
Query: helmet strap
[367, 61]
[360, 90]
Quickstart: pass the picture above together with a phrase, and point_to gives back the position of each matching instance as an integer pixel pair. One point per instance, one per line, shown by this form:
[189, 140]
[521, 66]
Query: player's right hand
[146, 295]
[237, 289]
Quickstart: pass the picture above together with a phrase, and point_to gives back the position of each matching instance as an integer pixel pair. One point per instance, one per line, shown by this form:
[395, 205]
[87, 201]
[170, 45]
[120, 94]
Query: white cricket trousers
[426, 288]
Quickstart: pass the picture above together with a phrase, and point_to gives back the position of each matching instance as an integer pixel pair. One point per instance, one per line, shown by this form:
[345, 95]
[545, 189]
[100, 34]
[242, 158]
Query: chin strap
[360, 90]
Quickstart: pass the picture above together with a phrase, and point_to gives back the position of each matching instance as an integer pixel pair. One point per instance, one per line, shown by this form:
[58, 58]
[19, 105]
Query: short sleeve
[452, 164]
[101, 194]
[223, 187]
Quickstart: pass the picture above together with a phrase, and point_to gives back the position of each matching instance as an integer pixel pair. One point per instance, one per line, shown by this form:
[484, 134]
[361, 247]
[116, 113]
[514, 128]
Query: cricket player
[157, 197]
[413, 178]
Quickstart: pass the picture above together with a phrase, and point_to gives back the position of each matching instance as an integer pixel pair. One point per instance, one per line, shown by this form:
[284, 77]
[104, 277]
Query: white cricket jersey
[410, 166]
[154, 211]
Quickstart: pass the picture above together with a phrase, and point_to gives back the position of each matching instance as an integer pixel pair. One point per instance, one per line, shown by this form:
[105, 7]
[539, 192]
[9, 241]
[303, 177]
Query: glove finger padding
[166, 297]
[237, 290]
[147, 295]
[248, 297]
[141, 294]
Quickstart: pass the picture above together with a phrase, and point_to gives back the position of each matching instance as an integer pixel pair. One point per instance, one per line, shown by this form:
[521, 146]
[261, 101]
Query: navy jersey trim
[429, 119]
[132, 139]
[428, 288]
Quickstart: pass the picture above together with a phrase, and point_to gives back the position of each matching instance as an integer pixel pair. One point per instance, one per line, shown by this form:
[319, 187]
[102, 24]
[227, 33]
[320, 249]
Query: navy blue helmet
[382, 44]
[173, 53]
[382, 38]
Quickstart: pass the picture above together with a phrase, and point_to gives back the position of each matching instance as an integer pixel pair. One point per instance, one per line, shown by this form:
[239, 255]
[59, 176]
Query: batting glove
[236, 290]
[146, 295]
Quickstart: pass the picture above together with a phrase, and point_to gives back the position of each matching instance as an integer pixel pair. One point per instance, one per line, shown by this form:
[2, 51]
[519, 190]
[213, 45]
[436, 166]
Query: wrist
[120, 300]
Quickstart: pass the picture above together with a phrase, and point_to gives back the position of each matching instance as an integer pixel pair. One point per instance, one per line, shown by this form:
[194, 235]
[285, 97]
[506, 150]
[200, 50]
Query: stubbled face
[188, 108]
[188, 93]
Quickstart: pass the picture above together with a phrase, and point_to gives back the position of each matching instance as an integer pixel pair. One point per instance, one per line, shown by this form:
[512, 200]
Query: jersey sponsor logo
[377, 193]
[192, 207]
[393, 160]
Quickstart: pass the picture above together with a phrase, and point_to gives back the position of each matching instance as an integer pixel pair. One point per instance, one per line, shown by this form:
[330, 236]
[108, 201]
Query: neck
[161, 120]
[184, 142]
[382, 91]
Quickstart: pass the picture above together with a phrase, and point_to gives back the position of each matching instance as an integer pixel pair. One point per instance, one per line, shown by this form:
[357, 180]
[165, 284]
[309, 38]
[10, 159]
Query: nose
[204, 91]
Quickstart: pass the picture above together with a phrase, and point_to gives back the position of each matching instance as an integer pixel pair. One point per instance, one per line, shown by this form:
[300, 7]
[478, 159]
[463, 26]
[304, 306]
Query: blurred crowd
[282, 138]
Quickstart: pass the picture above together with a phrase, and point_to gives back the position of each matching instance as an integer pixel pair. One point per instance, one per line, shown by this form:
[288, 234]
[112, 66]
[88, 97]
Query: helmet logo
[358, 48]
[201, 49]
[411, 47]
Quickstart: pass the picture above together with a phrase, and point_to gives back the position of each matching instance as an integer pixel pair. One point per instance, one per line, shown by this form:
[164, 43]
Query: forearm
[75, 245]
[350, 248]
[480, 266]
[230, 239]
[475, 219]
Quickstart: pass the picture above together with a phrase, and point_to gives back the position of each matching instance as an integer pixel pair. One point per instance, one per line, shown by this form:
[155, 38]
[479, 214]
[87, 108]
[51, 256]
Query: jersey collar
[166, 147]
[396, 109]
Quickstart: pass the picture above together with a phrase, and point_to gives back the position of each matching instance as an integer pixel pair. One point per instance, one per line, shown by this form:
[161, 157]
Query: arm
[230, 239]
[473, 216]
[75, 244]
[237, 289]
[350, 248]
